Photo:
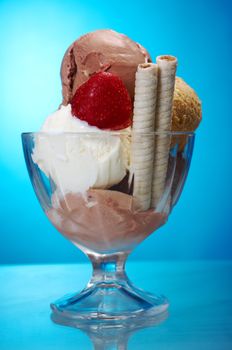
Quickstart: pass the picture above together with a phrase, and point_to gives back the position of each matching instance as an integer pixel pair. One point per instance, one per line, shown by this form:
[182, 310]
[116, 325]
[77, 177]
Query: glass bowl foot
[109, 296]
[109, 301]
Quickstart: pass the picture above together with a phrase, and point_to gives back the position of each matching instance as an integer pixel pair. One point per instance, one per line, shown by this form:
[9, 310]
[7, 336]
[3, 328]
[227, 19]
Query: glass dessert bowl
[106, 195]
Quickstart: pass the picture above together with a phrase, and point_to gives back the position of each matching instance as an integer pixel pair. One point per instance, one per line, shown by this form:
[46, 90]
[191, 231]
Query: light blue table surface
[200, 314]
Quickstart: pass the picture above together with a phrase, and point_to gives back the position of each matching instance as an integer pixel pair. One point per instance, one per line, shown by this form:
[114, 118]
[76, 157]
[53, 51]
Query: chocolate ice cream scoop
[104, 221]
[102, 50]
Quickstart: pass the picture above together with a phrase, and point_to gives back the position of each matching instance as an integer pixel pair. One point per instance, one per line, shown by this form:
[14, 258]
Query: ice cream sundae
[106, 165]
[109, 165]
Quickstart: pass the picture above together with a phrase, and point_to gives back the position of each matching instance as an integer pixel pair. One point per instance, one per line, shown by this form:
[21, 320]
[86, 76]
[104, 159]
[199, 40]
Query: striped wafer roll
[142, 147]
[163, 118]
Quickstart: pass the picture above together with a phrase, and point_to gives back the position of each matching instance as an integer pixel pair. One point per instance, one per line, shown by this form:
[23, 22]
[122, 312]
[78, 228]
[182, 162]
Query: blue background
[34, 37]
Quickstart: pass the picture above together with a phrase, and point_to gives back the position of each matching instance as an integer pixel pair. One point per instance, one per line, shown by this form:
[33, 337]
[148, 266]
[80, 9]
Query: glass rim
[112, 133]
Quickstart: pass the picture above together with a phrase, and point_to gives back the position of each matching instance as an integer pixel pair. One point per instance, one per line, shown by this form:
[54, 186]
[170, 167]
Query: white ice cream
[77, 162]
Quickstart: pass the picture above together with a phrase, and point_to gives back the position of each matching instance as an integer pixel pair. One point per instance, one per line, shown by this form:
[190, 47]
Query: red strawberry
[103, 101]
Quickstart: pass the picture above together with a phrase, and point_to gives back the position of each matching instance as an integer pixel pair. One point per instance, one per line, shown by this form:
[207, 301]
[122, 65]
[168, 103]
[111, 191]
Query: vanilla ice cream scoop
[77, 156]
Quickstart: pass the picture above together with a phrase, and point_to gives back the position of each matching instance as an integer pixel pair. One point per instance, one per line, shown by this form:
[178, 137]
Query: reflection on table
[200, 313]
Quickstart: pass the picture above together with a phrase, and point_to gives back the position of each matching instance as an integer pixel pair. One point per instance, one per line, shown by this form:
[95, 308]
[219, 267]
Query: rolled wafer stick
[163, 119]
[142, 147]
